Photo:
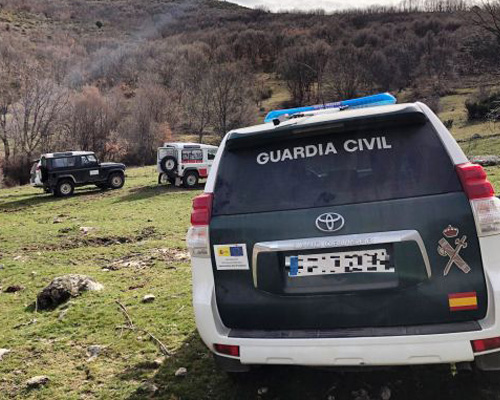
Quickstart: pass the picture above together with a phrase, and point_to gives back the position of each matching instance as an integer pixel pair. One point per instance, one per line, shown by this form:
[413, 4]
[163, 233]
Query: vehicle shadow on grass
[33, 199]
[205, 381]
[145, 192]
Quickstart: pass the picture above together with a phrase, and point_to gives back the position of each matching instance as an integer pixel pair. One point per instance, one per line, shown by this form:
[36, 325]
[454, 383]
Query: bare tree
[149, 113]
[36, 114]
[302, 67]
[196, 90]
[231, 98]
[345, 76]
[91, 119]
[487, 17]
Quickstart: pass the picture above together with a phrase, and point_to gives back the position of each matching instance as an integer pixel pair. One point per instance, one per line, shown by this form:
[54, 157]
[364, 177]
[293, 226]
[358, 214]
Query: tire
[116, 180]
[190, 179]
[168, 164]
[164, 178]
[64, 188]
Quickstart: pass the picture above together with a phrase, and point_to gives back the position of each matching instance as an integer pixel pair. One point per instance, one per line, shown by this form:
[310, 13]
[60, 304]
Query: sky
[327, 5]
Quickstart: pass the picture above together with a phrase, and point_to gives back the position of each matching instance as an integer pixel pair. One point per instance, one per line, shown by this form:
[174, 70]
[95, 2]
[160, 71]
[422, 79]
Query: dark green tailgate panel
[409, 297]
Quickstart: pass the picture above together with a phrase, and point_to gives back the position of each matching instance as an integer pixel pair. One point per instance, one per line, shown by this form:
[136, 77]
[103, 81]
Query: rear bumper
[349, 351]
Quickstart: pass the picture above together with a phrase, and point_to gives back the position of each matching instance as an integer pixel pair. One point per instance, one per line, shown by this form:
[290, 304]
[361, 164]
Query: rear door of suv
[349, 225]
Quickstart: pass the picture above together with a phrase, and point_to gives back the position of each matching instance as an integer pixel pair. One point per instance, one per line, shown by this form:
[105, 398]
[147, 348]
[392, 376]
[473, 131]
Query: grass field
[134, 246]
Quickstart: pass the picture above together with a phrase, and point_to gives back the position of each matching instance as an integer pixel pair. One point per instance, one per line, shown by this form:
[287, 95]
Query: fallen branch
[130, 326]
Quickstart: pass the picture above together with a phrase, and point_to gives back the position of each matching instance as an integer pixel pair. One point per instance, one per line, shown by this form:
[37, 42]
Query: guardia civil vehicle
[347, 236]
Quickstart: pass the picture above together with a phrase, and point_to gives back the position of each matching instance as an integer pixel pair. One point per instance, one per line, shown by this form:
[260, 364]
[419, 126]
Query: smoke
[114, 61]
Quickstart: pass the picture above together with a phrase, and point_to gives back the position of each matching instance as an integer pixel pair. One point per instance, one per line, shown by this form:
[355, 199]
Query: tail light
[485, 344]
[197, 238]
[479, 190]
[228, 349]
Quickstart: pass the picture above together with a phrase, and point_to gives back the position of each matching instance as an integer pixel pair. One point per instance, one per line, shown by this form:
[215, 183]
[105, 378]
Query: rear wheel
[64, 188]
[116, 180]
[190, 180]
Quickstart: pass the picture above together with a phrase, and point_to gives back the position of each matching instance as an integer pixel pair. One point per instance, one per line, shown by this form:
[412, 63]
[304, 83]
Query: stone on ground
[64, 287]
[37, 381]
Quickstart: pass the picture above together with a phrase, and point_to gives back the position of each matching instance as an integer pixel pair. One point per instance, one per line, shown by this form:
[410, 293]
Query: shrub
[481, 106]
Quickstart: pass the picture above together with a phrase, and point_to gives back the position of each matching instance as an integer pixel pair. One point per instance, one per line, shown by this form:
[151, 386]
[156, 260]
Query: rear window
[63, 162]
[334, 169]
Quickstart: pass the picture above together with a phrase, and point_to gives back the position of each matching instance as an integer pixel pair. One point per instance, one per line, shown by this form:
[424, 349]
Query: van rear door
[345, 226]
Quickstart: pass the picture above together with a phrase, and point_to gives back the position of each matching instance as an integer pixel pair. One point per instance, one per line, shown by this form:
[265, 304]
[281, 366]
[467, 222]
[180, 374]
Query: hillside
[119, 76]
[132, 241]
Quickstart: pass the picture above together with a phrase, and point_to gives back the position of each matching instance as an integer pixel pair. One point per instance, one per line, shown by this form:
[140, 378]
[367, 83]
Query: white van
[184, 163]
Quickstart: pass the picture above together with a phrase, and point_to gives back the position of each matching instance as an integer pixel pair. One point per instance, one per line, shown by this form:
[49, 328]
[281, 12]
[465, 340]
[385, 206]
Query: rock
[94, 350]
[476, 136]
[360, 394]
[385, 393]
[58, 220]
[2, 266]
[181, 372]
[37, 381]
[486, 160]
[64, 287]
[263, 390]
[149, 298]
[159, 362]
[86, 229]
[13, 289]
[3, 352]
[148, 387]
[62, 314]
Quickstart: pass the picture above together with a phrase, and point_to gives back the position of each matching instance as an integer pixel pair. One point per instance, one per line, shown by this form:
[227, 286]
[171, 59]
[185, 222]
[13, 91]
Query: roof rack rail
[380, 99]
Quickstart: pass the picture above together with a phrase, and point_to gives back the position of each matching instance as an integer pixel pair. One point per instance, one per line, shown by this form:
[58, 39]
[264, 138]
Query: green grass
[34, 249]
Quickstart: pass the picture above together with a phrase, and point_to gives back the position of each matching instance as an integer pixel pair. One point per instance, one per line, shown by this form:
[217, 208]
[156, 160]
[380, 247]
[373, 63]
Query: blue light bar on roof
[381, 99]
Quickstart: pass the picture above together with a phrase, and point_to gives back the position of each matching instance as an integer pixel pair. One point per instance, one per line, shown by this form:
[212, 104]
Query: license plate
[348, 262]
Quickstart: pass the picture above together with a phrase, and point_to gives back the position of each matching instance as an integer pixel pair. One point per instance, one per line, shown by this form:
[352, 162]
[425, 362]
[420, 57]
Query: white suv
[184, 163]
[352, 238]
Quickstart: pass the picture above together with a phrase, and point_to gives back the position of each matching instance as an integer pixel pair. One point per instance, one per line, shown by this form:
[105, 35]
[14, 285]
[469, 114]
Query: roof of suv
[67, 154]
[182, 145]
[310, 122]
[333, 115]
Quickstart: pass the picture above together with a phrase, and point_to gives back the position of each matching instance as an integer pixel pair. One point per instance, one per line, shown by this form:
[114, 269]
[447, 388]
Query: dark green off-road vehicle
[60, 173]
[359, 237]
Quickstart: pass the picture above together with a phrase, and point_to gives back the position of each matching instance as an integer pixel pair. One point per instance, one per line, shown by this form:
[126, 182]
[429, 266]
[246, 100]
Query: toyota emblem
[330, 222]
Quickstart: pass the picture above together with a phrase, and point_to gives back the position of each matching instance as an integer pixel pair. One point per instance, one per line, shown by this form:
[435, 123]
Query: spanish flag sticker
[462, 301]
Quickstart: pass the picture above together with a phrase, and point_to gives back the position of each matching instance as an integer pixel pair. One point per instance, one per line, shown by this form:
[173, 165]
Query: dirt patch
[83, 240]
[148, 259]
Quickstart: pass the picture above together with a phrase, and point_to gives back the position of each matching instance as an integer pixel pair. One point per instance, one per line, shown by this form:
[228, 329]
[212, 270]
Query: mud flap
[227, 364]
[488, 362]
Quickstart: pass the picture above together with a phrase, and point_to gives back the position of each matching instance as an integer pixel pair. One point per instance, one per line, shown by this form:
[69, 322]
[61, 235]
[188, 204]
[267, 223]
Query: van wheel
[116, 180]
[64, 188]
[190, 180]
[168, 164]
